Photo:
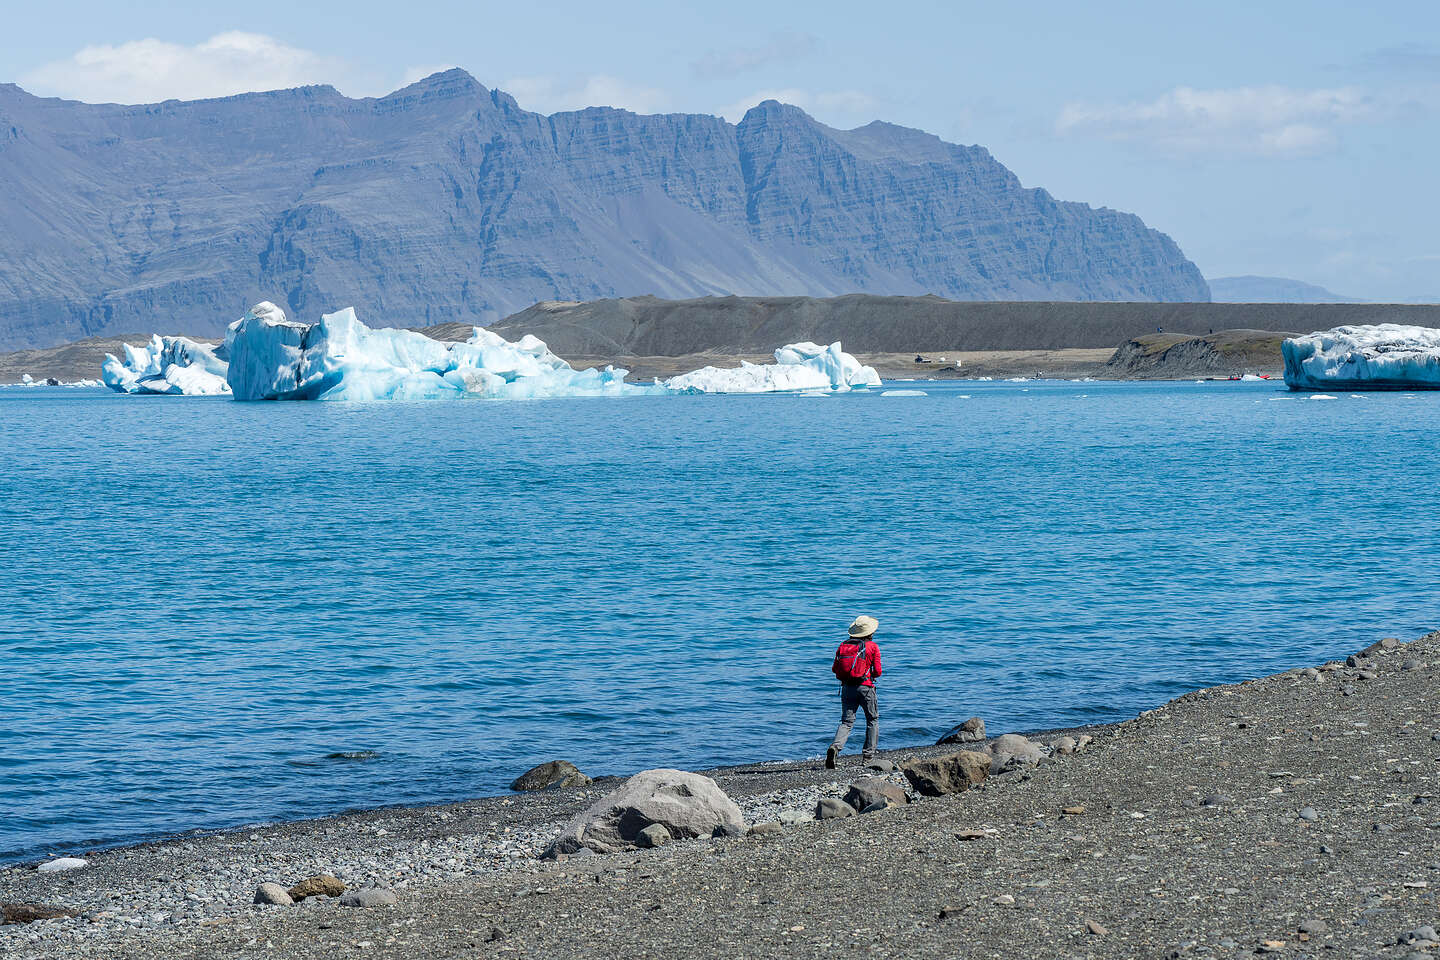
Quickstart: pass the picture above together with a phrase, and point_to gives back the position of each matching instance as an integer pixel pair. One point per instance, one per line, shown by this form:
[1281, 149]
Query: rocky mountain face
[445, 201]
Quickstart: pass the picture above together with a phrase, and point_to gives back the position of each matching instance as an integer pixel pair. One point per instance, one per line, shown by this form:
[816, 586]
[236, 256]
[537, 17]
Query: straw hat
[863, 626]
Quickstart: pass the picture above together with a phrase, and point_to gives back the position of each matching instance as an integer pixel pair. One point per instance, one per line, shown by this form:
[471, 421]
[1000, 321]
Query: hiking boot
[830, 756]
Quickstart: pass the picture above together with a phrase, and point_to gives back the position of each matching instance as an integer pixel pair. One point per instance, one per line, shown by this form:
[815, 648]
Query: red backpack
[853, 662]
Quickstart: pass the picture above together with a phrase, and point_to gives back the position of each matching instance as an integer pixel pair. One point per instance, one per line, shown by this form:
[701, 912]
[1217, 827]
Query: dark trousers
[856, 696]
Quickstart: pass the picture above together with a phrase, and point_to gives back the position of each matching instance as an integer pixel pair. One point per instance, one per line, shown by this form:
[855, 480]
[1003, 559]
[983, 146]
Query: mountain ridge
[446, 201]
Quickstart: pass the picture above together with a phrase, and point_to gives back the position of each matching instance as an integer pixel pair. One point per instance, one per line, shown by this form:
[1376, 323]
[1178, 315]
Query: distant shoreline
[81, 361]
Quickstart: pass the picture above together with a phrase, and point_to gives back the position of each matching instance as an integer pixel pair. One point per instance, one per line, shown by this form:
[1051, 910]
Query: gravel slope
[1215, 825]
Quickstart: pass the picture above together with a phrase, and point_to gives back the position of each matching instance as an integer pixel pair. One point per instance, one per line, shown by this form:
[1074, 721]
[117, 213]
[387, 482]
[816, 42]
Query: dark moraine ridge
[649, 326]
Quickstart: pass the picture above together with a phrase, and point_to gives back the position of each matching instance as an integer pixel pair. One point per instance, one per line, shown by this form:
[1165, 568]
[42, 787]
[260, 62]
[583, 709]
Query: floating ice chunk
[904, 393]
[1383, 356]
[27, 379]
[340, 358]
[797, 366]
[1252, 378]
[1322, 396]
[170, 365]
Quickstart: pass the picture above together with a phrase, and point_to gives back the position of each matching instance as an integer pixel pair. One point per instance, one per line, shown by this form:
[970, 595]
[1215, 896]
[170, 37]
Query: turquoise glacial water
[205, 604]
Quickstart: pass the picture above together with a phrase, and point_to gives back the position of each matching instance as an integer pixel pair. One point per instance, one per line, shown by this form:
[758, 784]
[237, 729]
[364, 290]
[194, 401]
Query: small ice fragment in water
[1322, 396]
[797, 366]
[904, 393]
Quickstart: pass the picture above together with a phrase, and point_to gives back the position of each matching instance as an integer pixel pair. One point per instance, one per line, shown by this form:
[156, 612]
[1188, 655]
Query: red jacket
[872, 652]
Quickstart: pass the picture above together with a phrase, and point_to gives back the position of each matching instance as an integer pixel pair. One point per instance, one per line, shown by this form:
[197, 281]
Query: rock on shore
[556, 773]
[682, 804]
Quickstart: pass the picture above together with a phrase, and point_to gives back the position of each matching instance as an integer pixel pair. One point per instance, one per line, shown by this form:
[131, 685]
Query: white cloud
[552, 94]
[147, 71]
[837, 105]
[1269, 120]
[783, 48]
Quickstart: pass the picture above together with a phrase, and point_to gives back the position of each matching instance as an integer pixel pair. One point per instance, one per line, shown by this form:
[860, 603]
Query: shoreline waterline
[1281, 766]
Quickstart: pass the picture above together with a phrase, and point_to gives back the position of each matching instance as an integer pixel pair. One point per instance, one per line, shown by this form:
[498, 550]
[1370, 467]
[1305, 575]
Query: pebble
[1308, 813]
[832, 808]
[770, 829]
[1410, 665]
[1004, 900]
[1096, 929]
[1217, 800]
[1313, 927]
[1426, 933]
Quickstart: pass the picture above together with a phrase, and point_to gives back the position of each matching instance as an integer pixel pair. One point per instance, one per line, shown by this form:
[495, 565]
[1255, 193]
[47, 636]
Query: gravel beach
[1295, 815]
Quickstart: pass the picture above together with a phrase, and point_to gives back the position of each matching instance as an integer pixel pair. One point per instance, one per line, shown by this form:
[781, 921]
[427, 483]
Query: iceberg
[1383, 356]
[797, 366]
[167, 365]
[340, 358]
[267, 356]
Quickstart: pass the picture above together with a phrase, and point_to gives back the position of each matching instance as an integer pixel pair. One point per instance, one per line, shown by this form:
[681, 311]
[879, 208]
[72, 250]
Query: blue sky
[1295, 139]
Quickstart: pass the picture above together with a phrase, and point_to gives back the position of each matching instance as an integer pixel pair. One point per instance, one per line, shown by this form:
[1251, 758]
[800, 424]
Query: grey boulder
[274, 894]
[868, 791]
[555, 773]
[63, 864]
[369, 897]
[952, 773]
[1012, 746]
[832, 808]
[971, 731]
[685, 804]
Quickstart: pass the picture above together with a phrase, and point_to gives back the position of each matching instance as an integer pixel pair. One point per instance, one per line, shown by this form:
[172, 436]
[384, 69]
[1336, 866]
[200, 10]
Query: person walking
[857, 665]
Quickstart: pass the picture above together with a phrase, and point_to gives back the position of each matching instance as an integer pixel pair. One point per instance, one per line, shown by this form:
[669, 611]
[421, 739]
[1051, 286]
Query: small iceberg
[1322, 396]
[176, 366]
[1382, 356]
[904, 393]
[797, 366]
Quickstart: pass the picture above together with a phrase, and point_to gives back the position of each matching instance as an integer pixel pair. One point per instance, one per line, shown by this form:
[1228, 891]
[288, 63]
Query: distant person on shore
[857, 664]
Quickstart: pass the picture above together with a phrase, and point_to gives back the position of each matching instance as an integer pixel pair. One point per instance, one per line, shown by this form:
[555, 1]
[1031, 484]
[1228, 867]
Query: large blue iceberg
[339, 358]
[1383, 356]
[266, 356]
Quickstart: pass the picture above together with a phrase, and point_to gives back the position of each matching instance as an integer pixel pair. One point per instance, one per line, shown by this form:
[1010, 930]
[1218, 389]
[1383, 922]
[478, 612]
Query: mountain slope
[1251, 289]
[445, 201]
